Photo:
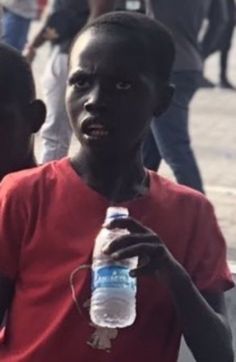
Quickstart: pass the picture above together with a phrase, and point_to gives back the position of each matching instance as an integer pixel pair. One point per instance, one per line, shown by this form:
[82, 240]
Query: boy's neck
[119, 180]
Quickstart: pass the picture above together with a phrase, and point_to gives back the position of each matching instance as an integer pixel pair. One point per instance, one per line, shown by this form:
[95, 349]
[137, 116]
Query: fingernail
[105, 249]
[115, 255]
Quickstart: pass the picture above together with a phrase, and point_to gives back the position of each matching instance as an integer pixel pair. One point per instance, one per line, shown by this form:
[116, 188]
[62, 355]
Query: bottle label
[113, 276]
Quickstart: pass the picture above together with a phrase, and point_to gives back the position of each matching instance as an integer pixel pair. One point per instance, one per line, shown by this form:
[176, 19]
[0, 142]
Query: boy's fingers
[144, 270]
[136, 250]
[149, 264]
[130, 240]
[127, 223]
[121, 243]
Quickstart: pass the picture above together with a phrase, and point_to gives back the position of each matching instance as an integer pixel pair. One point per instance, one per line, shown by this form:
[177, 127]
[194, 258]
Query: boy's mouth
[94, 131]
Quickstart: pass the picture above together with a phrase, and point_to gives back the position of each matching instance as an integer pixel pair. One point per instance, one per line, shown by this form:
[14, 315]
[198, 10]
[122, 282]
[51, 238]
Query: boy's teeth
[97, 130]
[98, 133]
[96, 127]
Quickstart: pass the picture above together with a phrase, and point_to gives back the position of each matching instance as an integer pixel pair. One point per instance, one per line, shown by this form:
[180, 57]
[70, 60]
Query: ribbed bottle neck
[116, 213]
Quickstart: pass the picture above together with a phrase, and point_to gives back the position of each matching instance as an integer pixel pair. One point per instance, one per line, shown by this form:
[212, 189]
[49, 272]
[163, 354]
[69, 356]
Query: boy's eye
[123, 85]
[82, 83]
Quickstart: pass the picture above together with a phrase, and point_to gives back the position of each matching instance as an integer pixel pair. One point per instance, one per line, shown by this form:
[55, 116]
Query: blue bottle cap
[116, 213]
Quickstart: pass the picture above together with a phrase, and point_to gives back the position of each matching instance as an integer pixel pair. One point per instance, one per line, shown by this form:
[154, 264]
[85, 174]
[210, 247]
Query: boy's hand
[154, 257]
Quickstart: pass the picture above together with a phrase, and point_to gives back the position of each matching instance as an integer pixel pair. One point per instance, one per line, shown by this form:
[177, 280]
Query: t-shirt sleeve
[207, 260]
[12, 223]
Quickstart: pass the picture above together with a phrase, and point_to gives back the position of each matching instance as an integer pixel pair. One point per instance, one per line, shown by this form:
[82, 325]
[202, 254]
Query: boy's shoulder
[175, 195]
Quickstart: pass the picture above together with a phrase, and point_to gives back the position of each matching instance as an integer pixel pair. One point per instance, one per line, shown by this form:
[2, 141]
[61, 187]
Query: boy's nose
[97, 101]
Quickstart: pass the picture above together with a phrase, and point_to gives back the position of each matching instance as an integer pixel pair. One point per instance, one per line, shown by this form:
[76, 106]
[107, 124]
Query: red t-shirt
[49, 221]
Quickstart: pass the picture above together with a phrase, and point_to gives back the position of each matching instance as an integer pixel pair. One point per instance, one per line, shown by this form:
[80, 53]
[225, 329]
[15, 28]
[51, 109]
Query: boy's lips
[93, 129]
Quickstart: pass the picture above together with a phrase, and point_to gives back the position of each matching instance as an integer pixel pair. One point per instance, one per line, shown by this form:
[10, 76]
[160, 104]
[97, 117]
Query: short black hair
[155, 39]
[16, 78]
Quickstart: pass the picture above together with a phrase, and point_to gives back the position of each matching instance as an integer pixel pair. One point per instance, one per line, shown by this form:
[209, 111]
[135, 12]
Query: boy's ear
[37, 115]
[165, 99]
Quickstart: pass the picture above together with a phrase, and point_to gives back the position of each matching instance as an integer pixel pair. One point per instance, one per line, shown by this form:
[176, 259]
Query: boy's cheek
[74, 106]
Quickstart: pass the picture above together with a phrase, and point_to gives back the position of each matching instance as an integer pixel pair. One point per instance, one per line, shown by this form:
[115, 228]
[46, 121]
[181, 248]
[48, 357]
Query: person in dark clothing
[222, 43]
[226, 46]
[169, 138]
[65, 20]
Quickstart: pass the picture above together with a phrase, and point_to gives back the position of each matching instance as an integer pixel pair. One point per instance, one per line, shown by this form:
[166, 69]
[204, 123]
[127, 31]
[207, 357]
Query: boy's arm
[203, 319]
[197, 293]
[99, 7]
[6, 295]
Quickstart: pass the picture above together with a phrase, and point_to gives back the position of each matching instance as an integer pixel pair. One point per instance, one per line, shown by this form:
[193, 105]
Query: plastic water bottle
[113, 302]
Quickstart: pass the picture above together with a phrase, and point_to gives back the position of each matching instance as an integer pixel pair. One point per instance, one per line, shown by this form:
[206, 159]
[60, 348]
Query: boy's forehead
[103, 43]
[88, 41]
[80, 45]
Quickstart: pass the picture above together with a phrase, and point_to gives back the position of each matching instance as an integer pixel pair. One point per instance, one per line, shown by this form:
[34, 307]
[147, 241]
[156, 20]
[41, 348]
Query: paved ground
[213, 130]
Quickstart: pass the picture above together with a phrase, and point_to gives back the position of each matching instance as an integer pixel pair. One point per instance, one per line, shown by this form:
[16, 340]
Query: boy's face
[111, 97]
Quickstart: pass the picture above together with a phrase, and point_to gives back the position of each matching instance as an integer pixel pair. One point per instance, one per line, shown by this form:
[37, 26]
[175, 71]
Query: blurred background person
[17, 17]
[130, 5]
[226, 44]
[1, 17]
[227, 9]
[64, 20]
[169, 138]
[41, 6]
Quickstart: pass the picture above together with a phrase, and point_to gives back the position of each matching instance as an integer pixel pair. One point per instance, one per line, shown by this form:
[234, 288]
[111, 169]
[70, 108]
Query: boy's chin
[108, 150]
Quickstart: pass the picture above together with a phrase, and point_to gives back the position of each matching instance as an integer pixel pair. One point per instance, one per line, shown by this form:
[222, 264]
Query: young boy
[119, 78]
[21, 114]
